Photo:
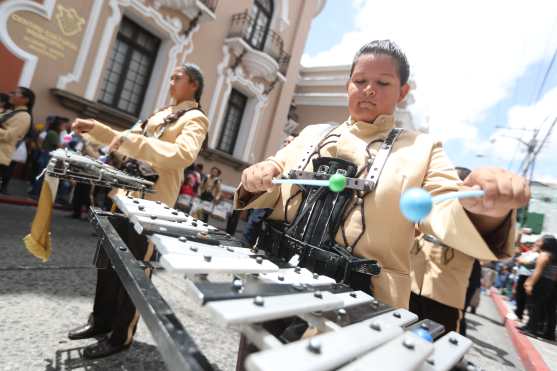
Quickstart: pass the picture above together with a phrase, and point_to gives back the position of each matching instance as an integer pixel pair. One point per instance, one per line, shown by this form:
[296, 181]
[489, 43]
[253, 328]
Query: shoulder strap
[320, 131]
[173, 117]
[381, 158]
[5, 117]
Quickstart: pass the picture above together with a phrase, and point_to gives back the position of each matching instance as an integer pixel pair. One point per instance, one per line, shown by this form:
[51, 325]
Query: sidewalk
[535, 354]
[17, 195]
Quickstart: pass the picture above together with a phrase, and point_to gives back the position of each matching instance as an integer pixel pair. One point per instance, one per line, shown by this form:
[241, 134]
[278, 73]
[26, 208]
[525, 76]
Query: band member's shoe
[103, 349]
[89, 330]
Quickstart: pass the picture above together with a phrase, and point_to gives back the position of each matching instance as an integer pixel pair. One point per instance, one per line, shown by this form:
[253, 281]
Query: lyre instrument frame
[66, 164]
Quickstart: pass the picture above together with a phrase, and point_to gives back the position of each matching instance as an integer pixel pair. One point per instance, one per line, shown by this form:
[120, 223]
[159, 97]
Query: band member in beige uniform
[440, 277]
[169, 141]
[375, 228]
[14, 125]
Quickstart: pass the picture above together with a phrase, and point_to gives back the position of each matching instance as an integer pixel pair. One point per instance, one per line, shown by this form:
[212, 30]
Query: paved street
[40, 302]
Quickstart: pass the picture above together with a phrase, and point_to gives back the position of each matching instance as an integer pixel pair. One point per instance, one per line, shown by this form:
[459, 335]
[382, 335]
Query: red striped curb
[529, 355]
[25, 202]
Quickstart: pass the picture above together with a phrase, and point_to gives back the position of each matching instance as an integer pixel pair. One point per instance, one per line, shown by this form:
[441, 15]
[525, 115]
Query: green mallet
[336, 183]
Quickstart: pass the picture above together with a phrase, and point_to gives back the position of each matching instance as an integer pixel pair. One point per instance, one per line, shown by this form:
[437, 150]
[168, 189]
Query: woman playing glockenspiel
[371, 226]
[169, 141]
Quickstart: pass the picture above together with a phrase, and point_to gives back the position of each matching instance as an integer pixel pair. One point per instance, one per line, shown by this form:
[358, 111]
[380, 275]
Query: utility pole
[529, 162]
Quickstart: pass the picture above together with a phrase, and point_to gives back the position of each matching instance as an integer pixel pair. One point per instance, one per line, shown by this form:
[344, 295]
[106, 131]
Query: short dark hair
[5, 101]
[385, 47]
[462, 172]
[195, 74]
[549, 244]
[28, 93]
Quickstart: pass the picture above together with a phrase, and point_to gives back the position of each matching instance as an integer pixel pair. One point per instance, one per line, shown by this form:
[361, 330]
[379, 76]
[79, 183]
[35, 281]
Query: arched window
[261, 16]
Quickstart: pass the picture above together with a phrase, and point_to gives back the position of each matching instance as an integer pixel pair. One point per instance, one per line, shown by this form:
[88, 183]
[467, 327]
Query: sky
[483, 70]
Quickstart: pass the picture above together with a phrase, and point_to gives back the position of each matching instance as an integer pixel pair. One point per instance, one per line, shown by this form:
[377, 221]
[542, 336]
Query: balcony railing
[260, 38]
[211, 4]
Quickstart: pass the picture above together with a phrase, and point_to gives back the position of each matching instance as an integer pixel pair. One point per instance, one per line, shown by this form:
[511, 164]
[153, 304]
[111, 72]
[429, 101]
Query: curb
[529, 355]
[25, 202]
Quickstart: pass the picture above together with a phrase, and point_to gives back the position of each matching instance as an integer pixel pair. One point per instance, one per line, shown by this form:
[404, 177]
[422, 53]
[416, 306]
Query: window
[232, 121]
[129, 68]
[261, 15]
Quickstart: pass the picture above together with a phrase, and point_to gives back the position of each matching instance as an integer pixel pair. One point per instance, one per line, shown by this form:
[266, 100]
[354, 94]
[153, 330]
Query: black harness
[309, 240]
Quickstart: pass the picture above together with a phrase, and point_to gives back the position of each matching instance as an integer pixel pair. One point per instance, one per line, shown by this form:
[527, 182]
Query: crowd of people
[25, 148]
[205, 187]
[16, 131]
[529, 281]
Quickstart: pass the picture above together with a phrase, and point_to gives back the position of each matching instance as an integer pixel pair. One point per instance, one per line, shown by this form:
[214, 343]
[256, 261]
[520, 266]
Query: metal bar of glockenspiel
[175, 345]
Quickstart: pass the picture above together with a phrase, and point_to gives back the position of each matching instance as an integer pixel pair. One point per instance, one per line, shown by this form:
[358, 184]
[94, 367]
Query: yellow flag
[38, 241]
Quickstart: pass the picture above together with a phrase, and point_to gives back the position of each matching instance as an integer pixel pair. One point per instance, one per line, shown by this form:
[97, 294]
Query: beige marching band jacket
[416, 160]
[440, 273]
[11, 132]
[170, 154]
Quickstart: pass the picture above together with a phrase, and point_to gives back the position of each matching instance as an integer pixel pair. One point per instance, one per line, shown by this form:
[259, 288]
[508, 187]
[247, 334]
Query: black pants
[81, 197]
[5, 176]
[113, 309]
[232, 222]
[544, 300]
[427, 308]
[520, 296]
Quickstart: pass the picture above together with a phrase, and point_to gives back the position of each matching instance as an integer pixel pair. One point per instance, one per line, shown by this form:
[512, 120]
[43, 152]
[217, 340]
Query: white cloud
[508, 146]
[464, 55]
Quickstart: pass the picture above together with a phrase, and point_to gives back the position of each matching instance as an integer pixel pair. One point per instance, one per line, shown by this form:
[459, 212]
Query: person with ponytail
[14, 127]
[168, 141]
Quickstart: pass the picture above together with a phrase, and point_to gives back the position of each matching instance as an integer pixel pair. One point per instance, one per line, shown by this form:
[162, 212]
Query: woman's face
[374, 88]
[16, 99]
[182, 88]
[537, 245]
[215, 172]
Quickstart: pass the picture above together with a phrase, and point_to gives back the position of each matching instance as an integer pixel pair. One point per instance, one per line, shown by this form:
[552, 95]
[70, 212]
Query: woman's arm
[167, 155]
[162, 154]
[451, 223]
[541, 263]
[256, 190]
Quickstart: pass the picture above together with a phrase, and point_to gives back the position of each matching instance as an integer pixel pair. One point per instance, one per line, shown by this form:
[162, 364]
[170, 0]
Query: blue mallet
[424, 334]
[416, 203]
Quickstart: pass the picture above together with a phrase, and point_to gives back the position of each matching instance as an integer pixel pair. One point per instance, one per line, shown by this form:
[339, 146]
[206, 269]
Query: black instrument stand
[175, 345]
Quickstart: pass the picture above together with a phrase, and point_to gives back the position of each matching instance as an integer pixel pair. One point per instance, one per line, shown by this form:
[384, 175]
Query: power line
[535, 96]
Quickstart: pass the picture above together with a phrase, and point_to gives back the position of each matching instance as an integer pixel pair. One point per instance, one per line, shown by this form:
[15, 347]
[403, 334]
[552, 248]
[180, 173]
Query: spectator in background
[200, 177]
[64, 124]
[190, 182]
[14, 127]
[526, 264]
[83, 192]
[488, 275]
[502, 277]
[50, 143]
[472, 300]
[210, 190]
[542, 287]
